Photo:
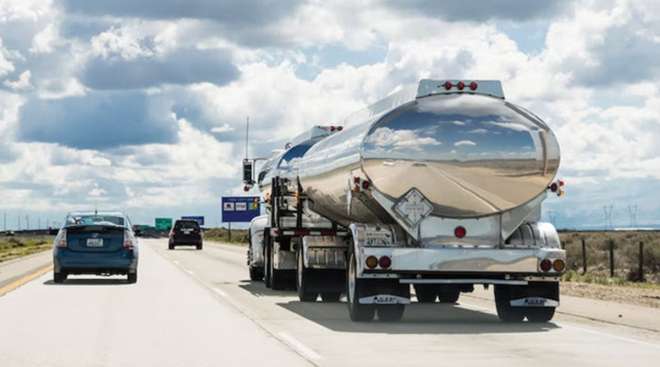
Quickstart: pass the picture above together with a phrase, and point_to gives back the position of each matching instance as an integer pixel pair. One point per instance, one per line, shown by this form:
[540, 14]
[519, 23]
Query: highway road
[197, 308]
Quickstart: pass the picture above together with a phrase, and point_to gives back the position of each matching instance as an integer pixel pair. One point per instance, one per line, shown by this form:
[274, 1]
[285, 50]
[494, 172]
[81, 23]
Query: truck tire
[448, 294]
[355, 289]
[302, 282]
[425, 293]
[539, 314]
[267, 267]
[199, 247]
[391, 313]
[329, 297]
[256, 274]
[505, 312]
[59, 277]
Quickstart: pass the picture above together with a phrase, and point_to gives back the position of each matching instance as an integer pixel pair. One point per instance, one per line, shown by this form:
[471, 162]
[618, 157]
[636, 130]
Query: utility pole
[27, 222]
[607, 209]
[19, 222]
[632, 211]
[4, 221]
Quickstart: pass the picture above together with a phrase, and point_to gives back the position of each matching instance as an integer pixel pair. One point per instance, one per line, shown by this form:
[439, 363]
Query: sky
[141, 105]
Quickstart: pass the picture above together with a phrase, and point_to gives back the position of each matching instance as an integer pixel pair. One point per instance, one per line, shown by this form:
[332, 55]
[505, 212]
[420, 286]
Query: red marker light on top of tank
[561, 182]
[473, 86]
[554, 187]
[460, 232]
[448, 85]
[365, 185]
[460, 85]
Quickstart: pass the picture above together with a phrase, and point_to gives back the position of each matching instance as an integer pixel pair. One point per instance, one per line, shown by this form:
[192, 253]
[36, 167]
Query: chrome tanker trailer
[438, 186]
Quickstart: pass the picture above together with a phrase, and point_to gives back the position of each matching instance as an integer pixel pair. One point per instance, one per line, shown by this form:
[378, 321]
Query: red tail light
[385, 262]
[365, 185]
[460, 232]
[128, 244]
[473, 86]
[60, 241]
[448, 85]
[546, 265]
[460, 85]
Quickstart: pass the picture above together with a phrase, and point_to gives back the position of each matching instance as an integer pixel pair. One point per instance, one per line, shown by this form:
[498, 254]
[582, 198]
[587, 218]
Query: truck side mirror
[248, 172]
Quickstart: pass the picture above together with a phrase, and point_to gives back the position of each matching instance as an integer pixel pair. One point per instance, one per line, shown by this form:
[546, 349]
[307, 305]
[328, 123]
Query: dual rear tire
[428, 293]
[507, 313]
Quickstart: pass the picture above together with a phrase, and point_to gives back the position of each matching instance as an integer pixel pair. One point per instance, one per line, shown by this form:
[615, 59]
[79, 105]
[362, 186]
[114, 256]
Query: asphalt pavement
[198, 308]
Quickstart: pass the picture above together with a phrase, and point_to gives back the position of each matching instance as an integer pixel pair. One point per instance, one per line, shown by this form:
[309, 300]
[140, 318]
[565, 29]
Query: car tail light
[385, 262]
[371, 262]
[460, 232]
[61, 239]
[546, 265]
[128, 244]
[559, 265]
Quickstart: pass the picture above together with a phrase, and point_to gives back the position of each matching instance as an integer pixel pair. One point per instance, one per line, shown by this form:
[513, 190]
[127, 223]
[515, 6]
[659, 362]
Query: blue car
[95, 243]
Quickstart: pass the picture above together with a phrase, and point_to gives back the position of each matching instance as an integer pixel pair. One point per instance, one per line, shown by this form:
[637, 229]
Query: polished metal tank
[469, 152]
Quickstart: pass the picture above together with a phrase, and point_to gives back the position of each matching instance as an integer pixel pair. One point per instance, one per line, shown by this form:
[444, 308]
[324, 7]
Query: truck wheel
[267, 267]
[355, 289]
[59, 277]
[302, 282]
[539, 314]
[132, 277]
[330, 296]
[391, 313]
[425, 293]
[448, 294]
[256, 274]
[505, 312]
[170, 246]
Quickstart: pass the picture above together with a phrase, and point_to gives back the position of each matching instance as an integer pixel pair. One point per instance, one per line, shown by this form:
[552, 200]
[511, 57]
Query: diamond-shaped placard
[413, 207]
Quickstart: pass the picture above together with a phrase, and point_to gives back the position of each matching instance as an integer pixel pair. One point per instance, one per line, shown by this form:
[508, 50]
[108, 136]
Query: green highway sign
[163, 224]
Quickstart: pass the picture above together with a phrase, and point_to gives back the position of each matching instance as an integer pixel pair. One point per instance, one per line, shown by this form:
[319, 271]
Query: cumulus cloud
[519, 10]
[182, 66]
[97, 121]
[461, 143]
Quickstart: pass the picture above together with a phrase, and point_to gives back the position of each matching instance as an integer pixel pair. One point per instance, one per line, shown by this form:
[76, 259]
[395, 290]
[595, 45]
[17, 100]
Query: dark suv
[186, 233]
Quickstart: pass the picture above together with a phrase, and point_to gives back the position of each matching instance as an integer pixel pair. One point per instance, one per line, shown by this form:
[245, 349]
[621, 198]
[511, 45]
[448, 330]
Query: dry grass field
[12, 247]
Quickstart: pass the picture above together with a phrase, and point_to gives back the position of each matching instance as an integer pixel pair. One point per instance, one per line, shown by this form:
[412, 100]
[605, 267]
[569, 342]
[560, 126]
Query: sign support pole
[229, 233]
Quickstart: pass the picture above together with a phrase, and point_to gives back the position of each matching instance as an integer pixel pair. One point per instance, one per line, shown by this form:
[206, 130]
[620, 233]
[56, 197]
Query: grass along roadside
[12, 247]
[238, 236]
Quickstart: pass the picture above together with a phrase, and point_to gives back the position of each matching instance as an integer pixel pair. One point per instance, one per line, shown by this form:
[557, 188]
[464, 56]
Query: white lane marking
[591, 331]
[189, 271]
[299, 346]
[176, 261]
[622, 338]
[227, 297]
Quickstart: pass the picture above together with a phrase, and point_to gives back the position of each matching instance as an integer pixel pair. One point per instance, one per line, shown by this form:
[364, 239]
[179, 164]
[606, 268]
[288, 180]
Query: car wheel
[199, 247]
[59, 277]
[170, 246]
[132, 278]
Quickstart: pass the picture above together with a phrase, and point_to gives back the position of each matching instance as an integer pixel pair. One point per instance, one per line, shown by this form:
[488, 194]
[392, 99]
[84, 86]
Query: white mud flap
[534, 302]
[384, 299]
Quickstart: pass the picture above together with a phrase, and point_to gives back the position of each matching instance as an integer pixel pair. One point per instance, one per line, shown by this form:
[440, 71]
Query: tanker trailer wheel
[267, 265]
[540, 314]
[448, 294]
[256, 273]
[505, 312]
[302, 281]
[393, 313]
[355, 289]
[426, 293]
[330, 296]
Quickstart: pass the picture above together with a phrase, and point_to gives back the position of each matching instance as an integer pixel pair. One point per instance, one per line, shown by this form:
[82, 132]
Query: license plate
[187, 231]
[95, 242]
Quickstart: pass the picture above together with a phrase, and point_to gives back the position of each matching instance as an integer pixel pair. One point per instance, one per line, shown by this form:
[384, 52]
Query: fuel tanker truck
[438, 186]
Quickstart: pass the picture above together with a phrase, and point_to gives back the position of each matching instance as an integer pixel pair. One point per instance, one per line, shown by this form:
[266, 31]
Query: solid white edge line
[570, 326]
[299, 346]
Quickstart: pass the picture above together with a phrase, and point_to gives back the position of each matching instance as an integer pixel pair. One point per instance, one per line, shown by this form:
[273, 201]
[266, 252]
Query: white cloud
[461, 143]
[22, 83]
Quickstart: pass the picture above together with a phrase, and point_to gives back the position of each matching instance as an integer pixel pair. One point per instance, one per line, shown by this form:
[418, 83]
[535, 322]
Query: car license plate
[95, 242]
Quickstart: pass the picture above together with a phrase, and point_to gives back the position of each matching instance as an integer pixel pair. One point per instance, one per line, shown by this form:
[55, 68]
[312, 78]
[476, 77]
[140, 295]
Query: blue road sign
[240, 208]
[198, 219]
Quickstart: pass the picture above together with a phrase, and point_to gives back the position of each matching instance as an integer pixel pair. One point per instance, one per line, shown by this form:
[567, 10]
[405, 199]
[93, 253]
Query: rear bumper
[186, 242]
[454, 261]
[84, 262]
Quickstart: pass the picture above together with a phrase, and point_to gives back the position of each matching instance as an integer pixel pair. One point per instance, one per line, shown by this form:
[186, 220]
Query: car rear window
[186, 224]
[95, 220]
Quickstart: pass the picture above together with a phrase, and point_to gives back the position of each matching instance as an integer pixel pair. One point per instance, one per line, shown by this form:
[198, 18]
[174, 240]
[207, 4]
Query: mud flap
[384, 299]
[534, 302]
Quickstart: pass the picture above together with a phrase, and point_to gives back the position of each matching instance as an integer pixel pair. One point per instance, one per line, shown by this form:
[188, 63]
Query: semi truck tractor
[437, 187]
